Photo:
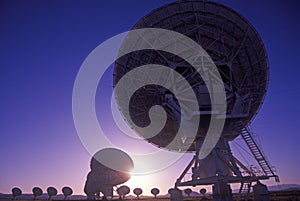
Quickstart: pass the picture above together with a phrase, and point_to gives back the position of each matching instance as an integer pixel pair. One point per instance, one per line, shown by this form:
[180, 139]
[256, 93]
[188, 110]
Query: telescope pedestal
[222, 192]
[219, 169]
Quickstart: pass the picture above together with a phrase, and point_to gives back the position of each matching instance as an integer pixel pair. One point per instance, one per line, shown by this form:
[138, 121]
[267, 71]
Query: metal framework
[239, 53]
[241, 174]
[234, 46]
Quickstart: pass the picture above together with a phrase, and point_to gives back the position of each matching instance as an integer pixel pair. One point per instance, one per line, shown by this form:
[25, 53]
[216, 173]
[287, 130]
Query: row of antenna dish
[67, 191]
[37, 191]
[124, 190]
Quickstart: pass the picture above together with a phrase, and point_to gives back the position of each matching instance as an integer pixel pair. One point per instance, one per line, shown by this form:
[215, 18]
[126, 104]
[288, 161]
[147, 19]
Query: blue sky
[42, 46]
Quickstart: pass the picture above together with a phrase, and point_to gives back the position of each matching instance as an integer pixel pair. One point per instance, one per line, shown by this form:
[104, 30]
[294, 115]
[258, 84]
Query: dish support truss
[222, 158]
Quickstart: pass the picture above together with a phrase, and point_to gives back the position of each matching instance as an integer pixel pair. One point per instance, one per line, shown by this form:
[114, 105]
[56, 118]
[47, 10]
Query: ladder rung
[256, 151]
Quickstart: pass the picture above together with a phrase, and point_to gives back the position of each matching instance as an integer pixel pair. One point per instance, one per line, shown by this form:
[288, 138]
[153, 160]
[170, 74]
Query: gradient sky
[42, 46]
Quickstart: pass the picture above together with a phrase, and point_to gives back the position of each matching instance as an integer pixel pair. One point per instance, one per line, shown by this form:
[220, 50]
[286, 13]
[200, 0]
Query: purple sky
[42, 46]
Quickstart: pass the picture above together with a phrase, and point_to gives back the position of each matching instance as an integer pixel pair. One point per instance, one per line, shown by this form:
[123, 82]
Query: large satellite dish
[240, 56]
[232, 43]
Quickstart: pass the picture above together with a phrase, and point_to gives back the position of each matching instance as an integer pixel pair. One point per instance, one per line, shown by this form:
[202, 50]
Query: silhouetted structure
[109, 167]
[175, 194]
[202, 192]
[260, 192]
[67, 191]
[155, 191]
[138, 192]
[37, 192]
[188, 191]
[123, 191]
[51, 191]
[16, 192]
[239, 54]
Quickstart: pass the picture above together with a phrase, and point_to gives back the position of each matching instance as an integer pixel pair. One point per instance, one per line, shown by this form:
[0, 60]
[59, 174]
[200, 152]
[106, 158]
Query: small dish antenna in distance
[16, 192]
[51, 192]
[67, 191]
[123, 191]
[138, 192]
[155, 191]
[37, 191]
[203, 191]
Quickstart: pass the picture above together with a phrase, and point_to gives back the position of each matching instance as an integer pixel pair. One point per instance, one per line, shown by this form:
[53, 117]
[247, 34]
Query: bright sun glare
[144, 182]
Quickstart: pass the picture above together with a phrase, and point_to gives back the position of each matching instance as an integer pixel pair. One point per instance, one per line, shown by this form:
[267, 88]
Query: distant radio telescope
[123, 191]
[239, 54]
[138, 192]
[155, 191]
[109, 167]
[51, 192]
[16, 192]
[37, 191]
[203, 191]
[67, 191]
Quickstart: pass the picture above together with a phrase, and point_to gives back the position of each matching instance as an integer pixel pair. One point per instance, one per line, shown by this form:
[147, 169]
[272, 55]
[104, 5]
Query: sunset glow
[44, 44]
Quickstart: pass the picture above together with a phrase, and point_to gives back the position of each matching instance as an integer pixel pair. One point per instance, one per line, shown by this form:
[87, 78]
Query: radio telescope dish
[51, 191]
[203, 191]
[123, 191]
[238, 52]
[67, 191]
[16, 192]
[155, 191]
[234, 46]
[37, 192]
[138, 192]
[109, 167]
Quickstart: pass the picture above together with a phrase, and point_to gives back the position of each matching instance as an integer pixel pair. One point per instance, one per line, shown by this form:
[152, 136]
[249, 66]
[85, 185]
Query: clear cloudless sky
[42, 46]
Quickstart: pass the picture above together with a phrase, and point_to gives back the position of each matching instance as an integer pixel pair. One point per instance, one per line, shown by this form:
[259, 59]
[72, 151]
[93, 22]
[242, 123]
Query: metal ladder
[244, 190]
[256, 151]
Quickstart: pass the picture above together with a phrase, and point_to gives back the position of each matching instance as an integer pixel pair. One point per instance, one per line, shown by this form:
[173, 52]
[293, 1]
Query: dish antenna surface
[16, 192]
[67, 191]
[238, 52]
[51, 191]
[109, 167]
[155, 191]
[37, 191]
[203, 191]
[123, 191]
[138, 192]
